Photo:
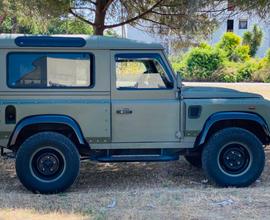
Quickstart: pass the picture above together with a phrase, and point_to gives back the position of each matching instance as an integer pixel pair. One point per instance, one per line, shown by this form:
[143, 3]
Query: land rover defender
[68, 98]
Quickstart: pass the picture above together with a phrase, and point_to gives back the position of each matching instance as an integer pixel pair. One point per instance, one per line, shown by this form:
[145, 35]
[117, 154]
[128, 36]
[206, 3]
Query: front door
[144, 104]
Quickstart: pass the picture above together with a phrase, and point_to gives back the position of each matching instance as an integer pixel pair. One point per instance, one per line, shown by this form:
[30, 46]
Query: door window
[135, 71]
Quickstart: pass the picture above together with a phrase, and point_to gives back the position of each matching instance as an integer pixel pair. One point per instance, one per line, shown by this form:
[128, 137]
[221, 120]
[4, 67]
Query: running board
[137, 158]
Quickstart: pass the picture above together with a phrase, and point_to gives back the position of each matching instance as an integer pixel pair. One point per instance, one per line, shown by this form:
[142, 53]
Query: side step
[139, 155]
[137, 158]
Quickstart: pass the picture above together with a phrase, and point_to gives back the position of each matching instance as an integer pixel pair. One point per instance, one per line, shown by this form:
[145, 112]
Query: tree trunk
[99, 31]
[14, 28]
[100, 17]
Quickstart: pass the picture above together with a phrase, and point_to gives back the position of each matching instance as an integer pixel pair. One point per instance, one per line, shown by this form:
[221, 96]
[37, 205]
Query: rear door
[144, 103]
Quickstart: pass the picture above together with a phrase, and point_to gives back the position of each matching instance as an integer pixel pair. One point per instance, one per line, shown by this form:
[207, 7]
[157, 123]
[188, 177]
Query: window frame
[92, 71]
[230, 23]
[239, 24]
[156, 56]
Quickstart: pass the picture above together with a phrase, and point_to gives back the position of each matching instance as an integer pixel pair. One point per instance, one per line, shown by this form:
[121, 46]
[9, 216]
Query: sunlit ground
[24, 214]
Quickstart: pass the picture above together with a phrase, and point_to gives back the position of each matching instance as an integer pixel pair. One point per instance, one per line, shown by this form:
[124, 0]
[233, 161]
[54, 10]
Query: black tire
[195, 161]
[233, 157]
[47, 162]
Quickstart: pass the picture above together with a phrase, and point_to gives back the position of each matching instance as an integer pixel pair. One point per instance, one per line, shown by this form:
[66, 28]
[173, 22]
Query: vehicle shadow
[116, 176]
[127, 176]
[124, 176]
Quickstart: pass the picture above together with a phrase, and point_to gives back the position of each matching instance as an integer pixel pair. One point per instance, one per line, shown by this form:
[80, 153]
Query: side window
[134, 71]
[243, 24]
[49, 70]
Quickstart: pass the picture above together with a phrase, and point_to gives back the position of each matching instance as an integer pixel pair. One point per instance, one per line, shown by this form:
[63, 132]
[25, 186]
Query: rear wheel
[233, 157]
[47, 162]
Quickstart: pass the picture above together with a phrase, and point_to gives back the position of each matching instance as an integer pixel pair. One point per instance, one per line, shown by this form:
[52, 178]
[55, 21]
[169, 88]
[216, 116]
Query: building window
[243, 24]
[135, 71]
[230, 25]
[49, 70]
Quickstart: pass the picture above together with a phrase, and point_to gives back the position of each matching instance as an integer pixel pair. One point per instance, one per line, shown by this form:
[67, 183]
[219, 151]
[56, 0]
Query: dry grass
[173, 190]
[22, 214]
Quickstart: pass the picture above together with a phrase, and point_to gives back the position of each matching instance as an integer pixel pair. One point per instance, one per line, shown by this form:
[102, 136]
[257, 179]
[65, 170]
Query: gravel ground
[172, 190]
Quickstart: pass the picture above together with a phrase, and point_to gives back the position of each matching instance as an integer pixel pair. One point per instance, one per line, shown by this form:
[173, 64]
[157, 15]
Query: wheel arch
[246, 120]
[39, 123]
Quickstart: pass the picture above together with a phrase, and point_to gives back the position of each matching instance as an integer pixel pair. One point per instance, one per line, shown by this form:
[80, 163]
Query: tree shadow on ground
[127, 176]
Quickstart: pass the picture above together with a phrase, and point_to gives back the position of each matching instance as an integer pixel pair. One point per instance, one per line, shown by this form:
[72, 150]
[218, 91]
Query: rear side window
[50, 70]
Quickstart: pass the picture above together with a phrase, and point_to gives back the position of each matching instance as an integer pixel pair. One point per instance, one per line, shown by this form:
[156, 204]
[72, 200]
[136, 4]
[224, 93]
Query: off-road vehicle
[67, 98]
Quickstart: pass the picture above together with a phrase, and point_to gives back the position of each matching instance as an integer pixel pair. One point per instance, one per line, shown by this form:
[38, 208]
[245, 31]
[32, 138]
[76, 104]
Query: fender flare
[47, 119]
[224, 116]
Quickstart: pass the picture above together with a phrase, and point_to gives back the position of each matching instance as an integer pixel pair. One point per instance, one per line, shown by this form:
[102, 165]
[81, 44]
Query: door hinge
[178, 135]
[177, 95]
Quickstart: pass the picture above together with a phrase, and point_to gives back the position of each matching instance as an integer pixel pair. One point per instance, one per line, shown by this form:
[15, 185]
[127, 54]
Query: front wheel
[47, 162]
[233, 157]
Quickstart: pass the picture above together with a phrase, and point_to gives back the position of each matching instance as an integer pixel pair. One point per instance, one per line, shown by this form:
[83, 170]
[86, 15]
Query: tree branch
[136, 17]
[161, 23]
[83, 8]
[107, 5]
[80, 17]
[3, 17]
[168, 14]
[94, 3]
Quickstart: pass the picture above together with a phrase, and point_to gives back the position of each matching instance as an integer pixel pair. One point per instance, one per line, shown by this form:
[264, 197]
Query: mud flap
[6, 153]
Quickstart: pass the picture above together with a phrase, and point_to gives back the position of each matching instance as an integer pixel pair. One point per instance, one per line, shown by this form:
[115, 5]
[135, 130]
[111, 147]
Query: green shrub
[226, 74]
[263, 72]
[228, 61]
[253, 39]
[205, 45]
[262, 75]
[268, 56]
[241, 53]
[179, 67]
[248, 69]
[231, 44]
[202, 62]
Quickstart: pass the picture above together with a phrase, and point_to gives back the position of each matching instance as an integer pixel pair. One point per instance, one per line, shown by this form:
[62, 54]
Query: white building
[234, 21]
[140, 35]
[239, 23]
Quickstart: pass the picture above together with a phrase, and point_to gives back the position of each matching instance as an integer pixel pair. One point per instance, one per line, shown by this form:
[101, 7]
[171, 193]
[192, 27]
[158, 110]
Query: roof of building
[90, 42]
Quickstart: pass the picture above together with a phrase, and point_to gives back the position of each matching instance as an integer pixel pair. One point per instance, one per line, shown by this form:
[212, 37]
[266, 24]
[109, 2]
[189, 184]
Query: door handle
[125, 111]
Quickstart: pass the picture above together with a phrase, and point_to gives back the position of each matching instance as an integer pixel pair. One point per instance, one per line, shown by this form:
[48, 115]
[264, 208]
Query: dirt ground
[172, 190]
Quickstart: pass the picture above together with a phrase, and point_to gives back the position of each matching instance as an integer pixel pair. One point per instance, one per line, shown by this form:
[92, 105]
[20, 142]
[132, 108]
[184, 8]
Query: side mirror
[178, 80]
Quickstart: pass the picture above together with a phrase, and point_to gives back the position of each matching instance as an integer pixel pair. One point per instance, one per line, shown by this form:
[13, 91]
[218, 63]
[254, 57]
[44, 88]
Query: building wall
[252, 19]
[140, 35]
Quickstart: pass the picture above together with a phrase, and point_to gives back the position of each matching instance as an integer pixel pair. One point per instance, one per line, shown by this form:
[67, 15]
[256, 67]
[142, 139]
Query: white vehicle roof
[92, 42]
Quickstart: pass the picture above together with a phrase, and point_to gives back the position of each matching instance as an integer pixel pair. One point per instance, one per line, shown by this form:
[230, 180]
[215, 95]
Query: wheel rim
[234, 159]
[47, 164]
